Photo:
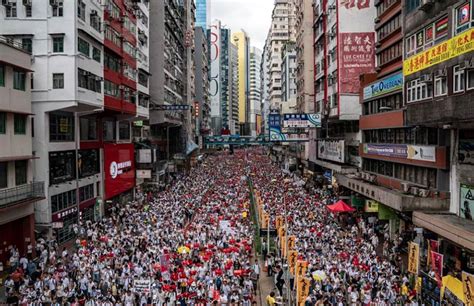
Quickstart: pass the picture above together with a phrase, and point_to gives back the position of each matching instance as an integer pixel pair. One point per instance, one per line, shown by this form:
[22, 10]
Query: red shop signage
[119, 168]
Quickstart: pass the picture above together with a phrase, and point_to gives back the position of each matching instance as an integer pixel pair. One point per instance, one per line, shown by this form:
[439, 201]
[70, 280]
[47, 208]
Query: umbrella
[183, 249]
[319, 275]
[340, 206]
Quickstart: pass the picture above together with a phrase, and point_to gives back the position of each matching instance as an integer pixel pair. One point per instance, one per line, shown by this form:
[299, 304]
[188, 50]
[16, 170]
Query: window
[111, 62]
[418, 90]
[86, 193]
[412, 5]
[88, 163]
[441, 86]
[63, 200]
[111, 89]
[113, 36]
[459, 79]
[470, 79]
[58, 80]
[2, 75]
[124, 130]
[83, 46]
[3, 123]
[21, 174]
[112, 9]
[58, 44]
[27, 44]
[3, 174]
[61, 126]
[19, 80]
[28, 11]
[62, 167]
[95, 21]
[143, 79]
[58, 9]
[108, 127]
[89, 81]
[20, 124]
[130, 95]
[96, 54]
[10, 10]
[88, 128]
[81, 10]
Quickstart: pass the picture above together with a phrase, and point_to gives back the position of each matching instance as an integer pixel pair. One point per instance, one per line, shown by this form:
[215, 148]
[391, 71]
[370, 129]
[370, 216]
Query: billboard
[356, 57]
[215, 50]
[119, 168]
[413, 152]
[301, 120]
[384, 86]
[466, 202]
[333, 150]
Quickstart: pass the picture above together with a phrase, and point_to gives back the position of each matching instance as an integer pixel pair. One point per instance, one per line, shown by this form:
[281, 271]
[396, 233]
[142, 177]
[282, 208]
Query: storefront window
[88, 163]
[62, 167]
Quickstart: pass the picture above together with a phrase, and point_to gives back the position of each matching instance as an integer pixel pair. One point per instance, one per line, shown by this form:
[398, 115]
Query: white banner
[144, 156]
[142, 285]
[333, 150]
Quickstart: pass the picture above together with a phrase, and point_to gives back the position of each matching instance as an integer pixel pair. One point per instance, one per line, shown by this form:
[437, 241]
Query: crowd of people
[192, 245]
[187, 245]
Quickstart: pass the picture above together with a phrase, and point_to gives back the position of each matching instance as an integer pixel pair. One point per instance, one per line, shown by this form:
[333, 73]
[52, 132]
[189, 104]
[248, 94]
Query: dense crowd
[188, 245]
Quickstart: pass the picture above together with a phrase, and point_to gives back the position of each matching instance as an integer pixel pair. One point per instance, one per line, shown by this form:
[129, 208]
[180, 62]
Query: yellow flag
[303, 289]
[468, 288]
[413, 257]
[292, 259]
[301, 267]
[265, 220]
[291, 242]
[278, 221]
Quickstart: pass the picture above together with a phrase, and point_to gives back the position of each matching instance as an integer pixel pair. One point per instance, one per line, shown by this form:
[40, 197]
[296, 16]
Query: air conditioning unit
[441, 72]
[377, 20]
[468, 64]
[424, 193]
[27, 2]
[406, 187]
[426, 78]
[426, 5]
[54, 2]
[414, 190]
[358, 174]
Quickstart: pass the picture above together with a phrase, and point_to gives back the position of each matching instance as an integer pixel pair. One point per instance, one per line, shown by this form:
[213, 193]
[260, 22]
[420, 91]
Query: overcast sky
[254, 16]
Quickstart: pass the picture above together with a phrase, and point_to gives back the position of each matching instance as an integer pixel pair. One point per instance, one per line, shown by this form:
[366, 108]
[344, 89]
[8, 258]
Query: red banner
[119, 168]
[437, 266]
[357, 56]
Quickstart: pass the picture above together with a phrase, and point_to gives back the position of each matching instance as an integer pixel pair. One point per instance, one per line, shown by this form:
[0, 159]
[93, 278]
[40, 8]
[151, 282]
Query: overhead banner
[451, 48]
[413, 152]
[466, 202]
[279, 136]
[333, 150]
[413, 257]
[384, 86]
[301, 120]
[437, 266]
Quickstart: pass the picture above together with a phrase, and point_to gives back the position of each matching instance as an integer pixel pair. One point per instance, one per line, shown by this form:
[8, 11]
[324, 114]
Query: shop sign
[466, 151]
[454, 47]
[333, 150]
[301, 120]
[413, 257]
[145, 156]
[468, 287]
[413, 152]
[384, 86]
[143, 174]
[64, 213]
[57, 225]
[466, 202]
[371, 206]
[119, 168]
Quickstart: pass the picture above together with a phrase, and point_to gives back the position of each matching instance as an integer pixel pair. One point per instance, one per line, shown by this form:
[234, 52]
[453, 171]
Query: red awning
[340, 206]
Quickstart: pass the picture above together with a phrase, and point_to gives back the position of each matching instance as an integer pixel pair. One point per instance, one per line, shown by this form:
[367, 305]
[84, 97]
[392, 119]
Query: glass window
[441, 86]
[95, 21]
[2, 75]
[62, 166]
[28, 11]
[3, 174]
[10, 10]
[58, 10]
[88, 162]
[124, 130]
[3, 123]
[63, 200]
[83, 47]
[21, 174]
[88, 128]
[81, 10]
[111, 89]
[27, 44]
[58, 44]
[96, 54]
[463, 17]
[19, 80]
[58, 80]
[470, 79]
[459, 79]
[88, 80]
[61, 126]
[108, 130]
[20, 124]
[86, 193]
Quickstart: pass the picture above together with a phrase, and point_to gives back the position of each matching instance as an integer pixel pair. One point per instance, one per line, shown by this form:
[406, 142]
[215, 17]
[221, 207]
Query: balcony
[21, 194]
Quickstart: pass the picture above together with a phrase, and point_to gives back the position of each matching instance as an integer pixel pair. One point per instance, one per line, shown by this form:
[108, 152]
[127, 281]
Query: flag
[437, 266]
[413, 257]
[468, 288]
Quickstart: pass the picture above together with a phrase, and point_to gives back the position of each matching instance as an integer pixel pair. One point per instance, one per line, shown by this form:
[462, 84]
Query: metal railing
[13, 196]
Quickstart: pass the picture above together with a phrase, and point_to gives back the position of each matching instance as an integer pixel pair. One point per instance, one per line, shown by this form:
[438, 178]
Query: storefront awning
[450, 226]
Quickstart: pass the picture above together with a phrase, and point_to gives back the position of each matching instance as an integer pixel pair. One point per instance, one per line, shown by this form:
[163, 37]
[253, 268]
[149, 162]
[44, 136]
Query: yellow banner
[278, 222]
[292, 259]
[458, 45]
[413, 257]
[301, 267]
[281, 232]
[304, 284]
[265, 220]
[291, 242]
[468, 288]
[283, 246]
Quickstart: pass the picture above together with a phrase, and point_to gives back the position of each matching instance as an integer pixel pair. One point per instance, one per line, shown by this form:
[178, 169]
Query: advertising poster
[301, 120]
[433, 245]
[437, 266]
[413, 257]
[371, 206]
[466, 151]
[333, 150]
[119, 168]
[466, 202]
[413, 152]
[384, 86]
[468, 288]
[356, 57]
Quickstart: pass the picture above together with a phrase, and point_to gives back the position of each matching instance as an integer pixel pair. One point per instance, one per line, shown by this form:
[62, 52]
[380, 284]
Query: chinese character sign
[356, 56]
[413, 257]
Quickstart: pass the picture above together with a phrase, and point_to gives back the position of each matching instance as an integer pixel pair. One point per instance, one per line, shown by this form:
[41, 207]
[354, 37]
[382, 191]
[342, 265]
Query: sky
[254, 16]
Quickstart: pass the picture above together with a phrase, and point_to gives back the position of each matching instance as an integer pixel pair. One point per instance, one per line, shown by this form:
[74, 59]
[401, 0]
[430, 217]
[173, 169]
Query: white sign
[144, 156]
[142, 285]
[143, 174]
[424, 153]
[57, 224]
[117, 168]
[333, 150]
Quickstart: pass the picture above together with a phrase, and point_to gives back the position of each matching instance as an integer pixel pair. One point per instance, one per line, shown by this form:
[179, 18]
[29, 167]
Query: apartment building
[255, 96]
[202, 107]
[19, 187]
[242, 41]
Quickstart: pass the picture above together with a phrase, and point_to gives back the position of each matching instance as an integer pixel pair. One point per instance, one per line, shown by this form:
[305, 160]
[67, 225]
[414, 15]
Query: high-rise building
[242, 41]
[255, 96]
[19, 188]
[288, 72]
[202, 102]
[203, 12]
[233, 105]
[84, 98]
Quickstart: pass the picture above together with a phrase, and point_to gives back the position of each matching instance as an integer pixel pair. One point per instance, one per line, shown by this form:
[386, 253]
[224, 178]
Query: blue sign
[328, 175]
[274, 121]
[384, 86]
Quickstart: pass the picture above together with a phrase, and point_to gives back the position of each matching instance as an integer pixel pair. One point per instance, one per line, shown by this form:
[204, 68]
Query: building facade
[255, 96]
[242, 41]
[201, 83]
[19, 188]
[288, 72]
[203, 13]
